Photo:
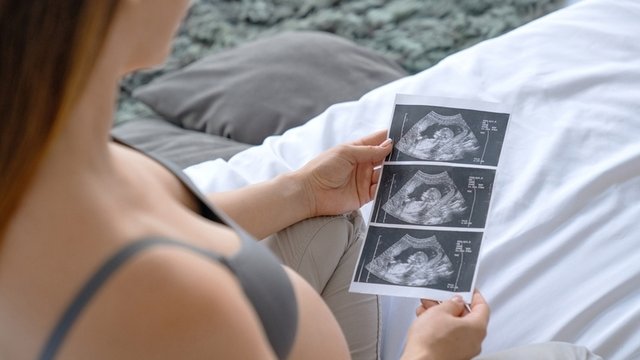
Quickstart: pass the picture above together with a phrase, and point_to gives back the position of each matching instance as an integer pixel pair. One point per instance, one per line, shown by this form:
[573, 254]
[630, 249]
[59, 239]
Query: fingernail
[457, 299]
[386, 143]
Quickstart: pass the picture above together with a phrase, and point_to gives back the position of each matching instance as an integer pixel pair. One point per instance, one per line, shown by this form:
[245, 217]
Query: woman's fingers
[428, 303]
[375, 175]
[454, 306]
[375, 138]
[425, 305]
[369, 154]
[480, 311]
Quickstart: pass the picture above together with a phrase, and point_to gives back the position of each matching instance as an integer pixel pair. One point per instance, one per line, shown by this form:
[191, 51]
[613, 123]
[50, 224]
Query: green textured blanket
[415, 33]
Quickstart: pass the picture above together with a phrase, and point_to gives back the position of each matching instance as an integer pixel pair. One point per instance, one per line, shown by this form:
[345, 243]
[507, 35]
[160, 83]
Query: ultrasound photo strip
[433, 198]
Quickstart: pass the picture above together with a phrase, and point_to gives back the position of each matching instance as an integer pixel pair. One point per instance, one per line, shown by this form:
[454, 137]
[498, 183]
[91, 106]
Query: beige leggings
[324, 251]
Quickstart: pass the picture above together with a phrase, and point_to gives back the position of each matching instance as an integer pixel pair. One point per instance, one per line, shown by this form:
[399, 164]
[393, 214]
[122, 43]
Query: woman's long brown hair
[48, 48]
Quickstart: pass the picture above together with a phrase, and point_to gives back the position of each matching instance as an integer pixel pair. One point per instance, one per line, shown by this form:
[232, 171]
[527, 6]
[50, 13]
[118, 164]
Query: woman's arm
[265, 208]
[339, 180]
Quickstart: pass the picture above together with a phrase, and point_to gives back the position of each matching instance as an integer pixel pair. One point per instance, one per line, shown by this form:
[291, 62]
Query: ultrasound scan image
[427, 199]
[413, 262]
[439, 138]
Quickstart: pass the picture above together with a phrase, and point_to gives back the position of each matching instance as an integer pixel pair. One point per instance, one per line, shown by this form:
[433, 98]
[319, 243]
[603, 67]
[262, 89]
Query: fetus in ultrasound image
[438, 137]
[426, 199]
[413, 262]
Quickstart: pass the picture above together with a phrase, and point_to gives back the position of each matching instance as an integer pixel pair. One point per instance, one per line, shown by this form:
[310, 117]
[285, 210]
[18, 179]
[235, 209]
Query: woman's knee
[314, 247]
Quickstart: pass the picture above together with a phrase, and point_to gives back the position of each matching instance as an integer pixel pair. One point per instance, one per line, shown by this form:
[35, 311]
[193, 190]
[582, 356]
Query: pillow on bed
[171, 143]
[268, 86]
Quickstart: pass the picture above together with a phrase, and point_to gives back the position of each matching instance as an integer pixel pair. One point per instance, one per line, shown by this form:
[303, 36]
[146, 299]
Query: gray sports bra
[263, 280]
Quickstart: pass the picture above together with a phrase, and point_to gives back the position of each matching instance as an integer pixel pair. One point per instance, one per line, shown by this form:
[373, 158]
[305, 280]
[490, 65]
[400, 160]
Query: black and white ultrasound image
[419, 258]
[429, 195]
[443, 134]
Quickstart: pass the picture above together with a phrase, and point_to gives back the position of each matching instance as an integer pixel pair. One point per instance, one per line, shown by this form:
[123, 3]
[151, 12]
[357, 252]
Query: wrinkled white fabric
[561, 255]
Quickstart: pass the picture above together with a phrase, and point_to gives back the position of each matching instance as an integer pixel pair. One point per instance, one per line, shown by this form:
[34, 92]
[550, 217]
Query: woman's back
[163, 300]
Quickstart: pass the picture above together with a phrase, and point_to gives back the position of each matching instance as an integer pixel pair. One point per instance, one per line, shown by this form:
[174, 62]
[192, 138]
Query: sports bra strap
[99, 278]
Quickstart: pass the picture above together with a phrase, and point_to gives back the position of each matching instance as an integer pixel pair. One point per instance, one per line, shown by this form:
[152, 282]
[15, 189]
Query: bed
[561, 255]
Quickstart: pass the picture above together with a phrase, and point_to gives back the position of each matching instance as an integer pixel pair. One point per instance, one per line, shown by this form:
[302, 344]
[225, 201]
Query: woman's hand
[344, 177]
[447, 330]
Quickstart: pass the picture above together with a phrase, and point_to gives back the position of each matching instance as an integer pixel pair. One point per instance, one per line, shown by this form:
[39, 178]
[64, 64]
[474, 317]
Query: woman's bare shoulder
[156, 176]
[169, 303]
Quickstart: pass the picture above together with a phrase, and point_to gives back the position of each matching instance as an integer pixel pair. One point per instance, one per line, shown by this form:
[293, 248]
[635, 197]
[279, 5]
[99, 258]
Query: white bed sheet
[561, 256]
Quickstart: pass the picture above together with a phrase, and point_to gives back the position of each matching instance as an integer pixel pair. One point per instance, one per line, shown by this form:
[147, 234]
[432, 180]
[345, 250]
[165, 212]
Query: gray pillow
[265, 87]
[169, 142]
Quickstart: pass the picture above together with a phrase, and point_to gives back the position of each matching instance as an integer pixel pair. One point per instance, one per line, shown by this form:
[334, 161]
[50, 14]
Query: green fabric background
[415, 33]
